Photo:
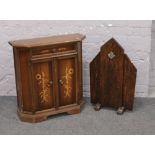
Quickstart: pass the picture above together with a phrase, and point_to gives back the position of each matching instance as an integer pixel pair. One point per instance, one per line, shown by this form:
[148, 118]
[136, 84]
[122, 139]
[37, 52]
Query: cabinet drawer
[55, 49]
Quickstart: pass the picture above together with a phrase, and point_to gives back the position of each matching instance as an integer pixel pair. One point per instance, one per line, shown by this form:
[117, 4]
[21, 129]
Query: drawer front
[54, 49]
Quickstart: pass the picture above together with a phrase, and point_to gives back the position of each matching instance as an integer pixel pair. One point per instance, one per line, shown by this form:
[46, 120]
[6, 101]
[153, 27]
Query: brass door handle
[51, 83]
[61, 82]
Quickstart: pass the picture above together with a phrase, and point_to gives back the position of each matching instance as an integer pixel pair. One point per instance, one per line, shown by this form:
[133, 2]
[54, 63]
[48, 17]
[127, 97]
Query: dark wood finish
[112, 77]
[48, 76]
[129, 82]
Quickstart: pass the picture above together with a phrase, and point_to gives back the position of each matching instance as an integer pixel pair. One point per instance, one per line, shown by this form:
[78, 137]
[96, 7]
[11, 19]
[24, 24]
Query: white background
[80, 9]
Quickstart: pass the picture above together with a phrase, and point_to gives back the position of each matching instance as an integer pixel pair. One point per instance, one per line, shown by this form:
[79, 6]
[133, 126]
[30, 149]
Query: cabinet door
[43, 85]
[67, 82]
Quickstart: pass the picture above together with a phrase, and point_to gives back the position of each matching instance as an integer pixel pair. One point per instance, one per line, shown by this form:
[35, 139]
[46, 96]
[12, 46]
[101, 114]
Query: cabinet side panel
[80, 74]
[94, 79]
[17, 77]
[129, 83]
[25, 80]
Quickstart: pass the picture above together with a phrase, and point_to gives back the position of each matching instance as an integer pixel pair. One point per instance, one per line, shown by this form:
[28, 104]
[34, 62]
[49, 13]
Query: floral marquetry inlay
[44, 83]
[68, 78]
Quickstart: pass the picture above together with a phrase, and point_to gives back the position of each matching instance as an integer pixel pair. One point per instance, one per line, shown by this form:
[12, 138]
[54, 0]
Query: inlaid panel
[43, 84]
[66, 81]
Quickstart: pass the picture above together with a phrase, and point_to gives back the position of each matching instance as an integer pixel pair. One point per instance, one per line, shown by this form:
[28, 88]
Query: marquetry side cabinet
[48, 76]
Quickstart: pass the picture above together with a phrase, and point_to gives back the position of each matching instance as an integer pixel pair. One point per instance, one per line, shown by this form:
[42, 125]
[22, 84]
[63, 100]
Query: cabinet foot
[97, 107]
[72, 112]
[120, 110]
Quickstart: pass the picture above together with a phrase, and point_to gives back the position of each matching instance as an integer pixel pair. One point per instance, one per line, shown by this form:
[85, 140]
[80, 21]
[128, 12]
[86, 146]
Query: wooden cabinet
[112, 78]
[48, 76]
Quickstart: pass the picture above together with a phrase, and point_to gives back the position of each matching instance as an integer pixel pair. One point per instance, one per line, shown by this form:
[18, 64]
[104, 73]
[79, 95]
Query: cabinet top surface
[44, 41]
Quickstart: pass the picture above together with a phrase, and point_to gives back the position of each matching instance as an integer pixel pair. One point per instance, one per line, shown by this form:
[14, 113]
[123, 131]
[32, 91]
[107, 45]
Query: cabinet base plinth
[72, 112]
[43, 115]
[31, 118]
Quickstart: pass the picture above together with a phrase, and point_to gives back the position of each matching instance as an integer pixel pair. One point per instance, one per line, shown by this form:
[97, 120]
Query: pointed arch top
[112, 44]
